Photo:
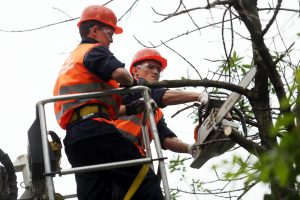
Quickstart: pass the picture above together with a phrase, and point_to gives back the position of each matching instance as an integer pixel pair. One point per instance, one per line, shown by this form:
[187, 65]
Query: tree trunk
[247, 11]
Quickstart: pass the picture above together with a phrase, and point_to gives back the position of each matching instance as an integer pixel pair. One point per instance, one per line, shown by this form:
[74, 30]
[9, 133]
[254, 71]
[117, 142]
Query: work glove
[203, 98]
[135, 107]
[192, 149]
[134, 82]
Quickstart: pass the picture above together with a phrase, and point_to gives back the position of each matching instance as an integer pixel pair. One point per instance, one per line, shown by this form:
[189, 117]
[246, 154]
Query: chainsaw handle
[242, 120]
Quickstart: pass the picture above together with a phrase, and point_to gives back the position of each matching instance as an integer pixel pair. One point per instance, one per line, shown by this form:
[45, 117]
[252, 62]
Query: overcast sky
[31, 59]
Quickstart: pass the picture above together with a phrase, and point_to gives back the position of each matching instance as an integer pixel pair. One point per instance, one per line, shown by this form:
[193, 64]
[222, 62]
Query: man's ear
[93, 31]
[135, 72]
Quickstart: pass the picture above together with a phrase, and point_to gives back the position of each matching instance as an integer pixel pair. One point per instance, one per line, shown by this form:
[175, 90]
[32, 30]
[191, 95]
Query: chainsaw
[215, 123]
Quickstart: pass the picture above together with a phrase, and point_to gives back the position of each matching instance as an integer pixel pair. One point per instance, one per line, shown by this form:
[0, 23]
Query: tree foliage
[268, 104]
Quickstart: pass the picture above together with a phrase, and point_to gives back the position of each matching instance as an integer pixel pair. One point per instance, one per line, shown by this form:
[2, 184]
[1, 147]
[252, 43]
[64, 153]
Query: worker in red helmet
[91, 136]
[147, 65]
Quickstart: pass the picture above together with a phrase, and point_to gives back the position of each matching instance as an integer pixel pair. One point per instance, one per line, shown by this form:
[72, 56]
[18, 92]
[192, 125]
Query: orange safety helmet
[101, 14]
[148, 54]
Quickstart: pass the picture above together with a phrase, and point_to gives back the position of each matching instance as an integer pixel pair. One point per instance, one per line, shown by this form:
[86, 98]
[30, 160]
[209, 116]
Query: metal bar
[94, 94]
[105, 166]
[69, 196]
[145, 136]
[157, 145]
[49, 179]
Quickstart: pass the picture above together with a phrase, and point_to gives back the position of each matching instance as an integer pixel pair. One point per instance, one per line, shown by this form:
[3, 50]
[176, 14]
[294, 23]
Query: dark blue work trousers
[108, 184]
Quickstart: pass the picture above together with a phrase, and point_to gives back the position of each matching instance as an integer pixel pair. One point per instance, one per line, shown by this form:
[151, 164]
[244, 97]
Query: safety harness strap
[137, 181]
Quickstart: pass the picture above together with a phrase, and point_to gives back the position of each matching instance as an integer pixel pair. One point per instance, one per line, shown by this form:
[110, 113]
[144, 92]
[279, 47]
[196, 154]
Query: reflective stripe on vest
[131, 132]
[75, 78]
[131, 127]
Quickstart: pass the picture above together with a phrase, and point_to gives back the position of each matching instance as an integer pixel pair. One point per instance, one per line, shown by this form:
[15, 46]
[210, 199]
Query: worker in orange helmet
[92, 137]
[147, 65]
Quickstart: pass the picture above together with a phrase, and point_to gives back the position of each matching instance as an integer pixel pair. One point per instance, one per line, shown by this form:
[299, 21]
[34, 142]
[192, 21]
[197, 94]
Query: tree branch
[183, 34]
[272, 19]
[250, 146]
[204, 83]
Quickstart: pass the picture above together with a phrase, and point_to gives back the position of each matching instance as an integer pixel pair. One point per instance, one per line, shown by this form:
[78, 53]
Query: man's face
[150, 70]
[104, 35]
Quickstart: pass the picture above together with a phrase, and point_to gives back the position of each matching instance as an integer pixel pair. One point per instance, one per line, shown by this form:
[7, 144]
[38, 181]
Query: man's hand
[203, 98]
[192, 148]
[135, 107]
[141, 81]
[122, 76]
[134, 83]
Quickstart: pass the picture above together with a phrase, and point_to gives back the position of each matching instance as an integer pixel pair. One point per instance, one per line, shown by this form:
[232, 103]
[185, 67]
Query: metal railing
[148, 113]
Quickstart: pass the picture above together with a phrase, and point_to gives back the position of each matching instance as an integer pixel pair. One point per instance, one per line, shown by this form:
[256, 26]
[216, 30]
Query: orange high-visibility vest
[131, 128]
[75, 78]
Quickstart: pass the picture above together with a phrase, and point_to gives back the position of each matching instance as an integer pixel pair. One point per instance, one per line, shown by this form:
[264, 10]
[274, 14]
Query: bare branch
[62, 12]
[272, 19]
[191, 17]
[40, 27]
[204, 83]
[128, 10]
[183, 34]
[185, 60]
[168, 16]
[280, 9]
[48, 25]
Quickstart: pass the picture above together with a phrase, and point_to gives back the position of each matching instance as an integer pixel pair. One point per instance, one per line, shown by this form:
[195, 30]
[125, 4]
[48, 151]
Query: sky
[31, 61]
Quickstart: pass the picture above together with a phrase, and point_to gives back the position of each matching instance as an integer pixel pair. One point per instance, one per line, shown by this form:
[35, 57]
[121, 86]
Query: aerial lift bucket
[47, 158]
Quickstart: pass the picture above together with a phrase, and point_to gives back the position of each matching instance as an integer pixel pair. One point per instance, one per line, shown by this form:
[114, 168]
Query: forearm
[176, 145]
[174, 97]
[122, 76]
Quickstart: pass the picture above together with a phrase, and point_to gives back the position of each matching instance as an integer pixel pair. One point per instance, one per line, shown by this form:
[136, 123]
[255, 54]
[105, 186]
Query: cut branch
[250, 146]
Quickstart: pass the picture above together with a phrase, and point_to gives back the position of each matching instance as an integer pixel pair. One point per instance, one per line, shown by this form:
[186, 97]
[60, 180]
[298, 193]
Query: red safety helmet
[101, 14]
[148, 54]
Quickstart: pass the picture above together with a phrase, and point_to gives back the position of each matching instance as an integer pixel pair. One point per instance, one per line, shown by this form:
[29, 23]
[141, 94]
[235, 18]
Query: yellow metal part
[56, 149]
[58, 196]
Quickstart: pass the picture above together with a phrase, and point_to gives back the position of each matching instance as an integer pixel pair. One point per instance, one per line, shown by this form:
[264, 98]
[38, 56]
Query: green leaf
[282, 171]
